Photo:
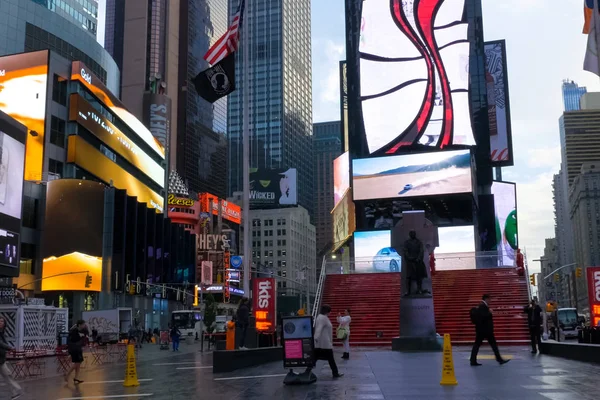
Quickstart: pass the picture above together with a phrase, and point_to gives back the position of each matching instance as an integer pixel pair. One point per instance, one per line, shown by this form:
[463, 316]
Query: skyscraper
[327, 145]
[572, 95]
[169, 58]
[83, 13]
[280, 93]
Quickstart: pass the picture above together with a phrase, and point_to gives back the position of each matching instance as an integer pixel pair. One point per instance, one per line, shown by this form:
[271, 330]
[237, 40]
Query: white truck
[109, 323]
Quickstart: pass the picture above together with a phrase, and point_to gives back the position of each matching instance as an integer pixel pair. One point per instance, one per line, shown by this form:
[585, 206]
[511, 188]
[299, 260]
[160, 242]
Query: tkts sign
[593, 279]
[264, 296]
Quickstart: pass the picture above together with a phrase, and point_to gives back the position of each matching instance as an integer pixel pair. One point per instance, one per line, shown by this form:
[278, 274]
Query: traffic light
[532, 279]
[579, 272]
[556, 277]
[550, 306]
[131, 288]
[88, 281]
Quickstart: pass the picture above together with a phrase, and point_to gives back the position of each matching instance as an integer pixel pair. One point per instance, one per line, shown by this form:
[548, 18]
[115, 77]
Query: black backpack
[474, 314]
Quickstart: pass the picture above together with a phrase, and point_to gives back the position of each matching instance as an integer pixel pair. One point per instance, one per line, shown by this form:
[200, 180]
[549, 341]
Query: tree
[210, 312]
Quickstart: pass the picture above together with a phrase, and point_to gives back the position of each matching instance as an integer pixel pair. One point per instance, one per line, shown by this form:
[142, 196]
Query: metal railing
[320, 287]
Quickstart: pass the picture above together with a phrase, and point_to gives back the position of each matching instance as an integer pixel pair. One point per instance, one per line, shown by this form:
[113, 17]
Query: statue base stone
[417, 325]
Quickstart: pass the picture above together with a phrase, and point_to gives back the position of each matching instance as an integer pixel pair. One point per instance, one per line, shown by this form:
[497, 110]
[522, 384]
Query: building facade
[83, 13]
[327, 146]
[549, 289]
[280, 93]
[585, 215]
[283, 244]
[164, 42]
[572, 95]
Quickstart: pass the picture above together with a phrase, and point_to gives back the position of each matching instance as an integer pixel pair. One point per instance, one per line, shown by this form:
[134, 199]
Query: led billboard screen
[73, 233]
[505, 204]
[23, 87]
[84, 75]
[344, 221]
[373, 252]
[85, 115]
[273, 188]
[229, 211]
[498, 104]
[414, 74]
[412, 175]
[341, 177]
[456, 239]
[87, 157]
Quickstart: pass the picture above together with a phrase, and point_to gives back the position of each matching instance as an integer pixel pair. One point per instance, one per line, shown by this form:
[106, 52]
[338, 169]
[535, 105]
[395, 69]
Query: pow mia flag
[217, 81]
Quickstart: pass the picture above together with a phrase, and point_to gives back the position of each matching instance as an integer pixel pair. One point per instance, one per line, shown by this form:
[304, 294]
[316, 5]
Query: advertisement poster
[501, 152]
[264, 297]
[414, 91]
[505, 204]
[344, 221]
[298, 341]
[412, 175]
[373, 252]
[593, 279]
[207, 273]
[273, 188]
[12, 165]
[341, 177]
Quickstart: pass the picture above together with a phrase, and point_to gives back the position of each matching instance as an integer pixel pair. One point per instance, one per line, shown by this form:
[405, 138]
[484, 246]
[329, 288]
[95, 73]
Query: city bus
[189, 323]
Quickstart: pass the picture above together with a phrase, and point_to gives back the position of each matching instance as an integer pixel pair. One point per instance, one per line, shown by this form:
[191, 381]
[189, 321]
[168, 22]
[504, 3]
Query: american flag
[228, 43]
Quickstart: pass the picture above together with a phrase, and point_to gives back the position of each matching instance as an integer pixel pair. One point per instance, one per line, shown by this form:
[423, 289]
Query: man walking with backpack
[483, 319]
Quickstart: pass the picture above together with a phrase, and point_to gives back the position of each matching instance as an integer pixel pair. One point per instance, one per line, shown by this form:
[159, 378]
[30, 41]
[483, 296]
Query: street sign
[236, 261]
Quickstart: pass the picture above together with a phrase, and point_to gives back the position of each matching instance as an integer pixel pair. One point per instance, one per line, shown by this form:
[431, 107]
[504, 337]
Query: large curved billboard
[414, 74]
[73, 235]
[505, 204]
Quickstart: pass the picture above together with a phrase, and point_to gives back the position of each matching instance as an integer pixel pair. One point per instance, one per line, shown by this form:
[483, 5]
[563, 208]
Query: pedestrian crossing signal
[532, 279]
[88, 281]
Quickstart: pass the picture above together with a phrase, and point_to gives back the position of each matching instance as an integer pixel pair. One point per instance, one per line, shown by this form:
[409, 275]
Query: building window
[30, 212]
[59, 90]
[55, 168]
[27, 258]
[57, 131]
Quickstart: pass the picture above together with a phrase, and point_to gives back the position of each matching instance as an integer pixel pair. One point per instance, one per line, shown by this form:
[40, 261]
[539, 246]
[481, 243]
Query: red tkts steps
[375, 303]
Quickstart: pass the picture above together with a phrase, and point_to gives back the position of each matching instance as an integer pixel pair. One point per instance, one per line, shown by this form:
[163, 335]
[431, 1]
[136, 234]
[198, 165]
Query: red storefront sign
[264, 297]
[593, 279]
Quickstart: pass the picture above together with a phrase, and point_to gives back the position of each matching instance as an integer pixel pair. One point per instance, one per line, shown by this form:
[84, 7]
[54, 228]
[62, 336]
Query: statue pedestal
[417, 320]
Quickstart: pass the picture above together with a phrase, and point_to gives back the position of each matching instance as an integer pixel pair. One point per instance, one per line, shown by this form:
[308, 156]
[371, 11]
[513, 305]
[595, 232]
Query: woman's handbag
[342, 333]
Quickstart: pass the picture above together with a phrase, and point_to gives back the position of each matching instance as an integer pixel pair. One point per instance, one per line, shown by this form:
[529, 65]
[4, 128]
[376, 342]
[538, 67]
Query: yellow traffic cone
[448, 377]
[131, 378]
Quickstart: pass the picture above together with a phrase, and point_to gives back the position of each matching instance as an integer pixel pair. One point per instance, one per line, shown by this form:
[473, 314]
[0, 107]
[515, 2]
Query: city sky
[544, 46]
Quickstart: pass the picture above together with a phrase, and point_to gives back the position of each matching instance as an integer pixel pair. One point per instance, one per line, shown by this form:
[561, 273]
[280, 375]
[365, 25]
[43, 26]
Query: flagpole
[245, 36]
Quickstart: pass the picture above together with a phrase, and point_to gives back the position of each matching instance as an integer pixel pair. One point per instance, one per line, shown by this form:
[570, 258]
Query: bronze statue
[415, 266]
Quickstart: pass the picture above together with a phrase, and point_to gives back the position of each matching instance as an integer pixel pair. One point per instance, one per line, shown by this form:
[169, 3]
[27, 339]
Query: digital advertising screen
[456, 239]
[84, 75]
[344, 221]
[85, 115]
[273, 188]
[414, 74]
[412, 175]
[505, 204]
[87, 157]
[373, 252]
[24, 85]
[229, 211]
[298, 347]
[341, 177]
[73, 235]
[501, 151]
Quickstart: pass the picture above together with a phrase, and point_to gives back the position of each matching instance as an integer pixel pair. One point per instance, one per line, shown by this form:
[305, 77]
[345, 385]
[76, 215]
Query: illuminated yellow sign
[179, 201]
[23, 87]
[69, 272]
[85, 115]
[81, 73]
[94, 162]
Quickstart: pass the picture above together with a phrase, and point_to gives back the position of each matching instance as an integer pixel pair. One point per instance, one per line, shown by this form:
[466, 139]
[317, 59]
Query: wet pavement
[369, 375]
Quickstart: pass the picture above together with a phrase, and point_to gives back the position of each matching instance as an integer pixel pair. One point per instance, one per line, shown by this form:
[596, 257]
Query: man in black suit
[534, 322]
[484, 329]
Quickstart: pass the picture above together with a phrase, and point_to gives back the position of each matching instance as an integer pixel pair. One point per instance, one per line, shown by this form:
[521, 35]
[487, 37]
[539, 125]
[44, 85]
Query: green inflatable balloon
[510, 229]
[498, 232]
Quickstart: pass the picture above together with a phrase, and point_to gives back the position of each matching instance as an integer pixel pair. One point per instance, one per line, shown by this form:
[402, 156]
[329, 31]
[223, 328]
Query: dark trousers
[243, 331]
[327, 355]
[479, 338]
[536, 338]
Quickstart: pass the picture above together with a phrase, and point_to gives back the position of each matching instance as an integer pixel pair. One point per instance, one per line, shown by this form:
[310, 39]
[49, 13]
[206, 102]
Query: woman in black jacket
[4, 371]
[76, 335]
[243, 314]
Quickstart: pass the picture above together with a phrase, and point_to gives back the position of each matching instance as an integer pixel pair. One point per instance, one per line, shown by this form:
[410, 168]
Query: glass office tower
[83, 13]
[280, 93]
[572, 94]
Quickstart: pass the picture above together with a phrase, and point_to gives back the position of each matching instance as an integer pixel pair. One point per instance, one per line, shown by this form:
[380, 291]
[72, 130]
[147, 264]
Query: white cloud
[545, 157]
[326, 79]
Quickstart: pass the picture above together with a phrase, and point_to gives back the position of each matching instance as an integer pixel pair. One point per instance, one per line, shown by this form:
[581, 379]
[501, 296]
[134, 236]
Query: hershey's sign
[212, 242]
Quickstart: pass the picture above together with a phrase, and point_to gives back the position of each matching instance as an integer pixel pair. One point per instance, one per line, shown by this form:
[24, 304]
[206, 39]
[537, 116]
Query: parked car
[387, 260]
